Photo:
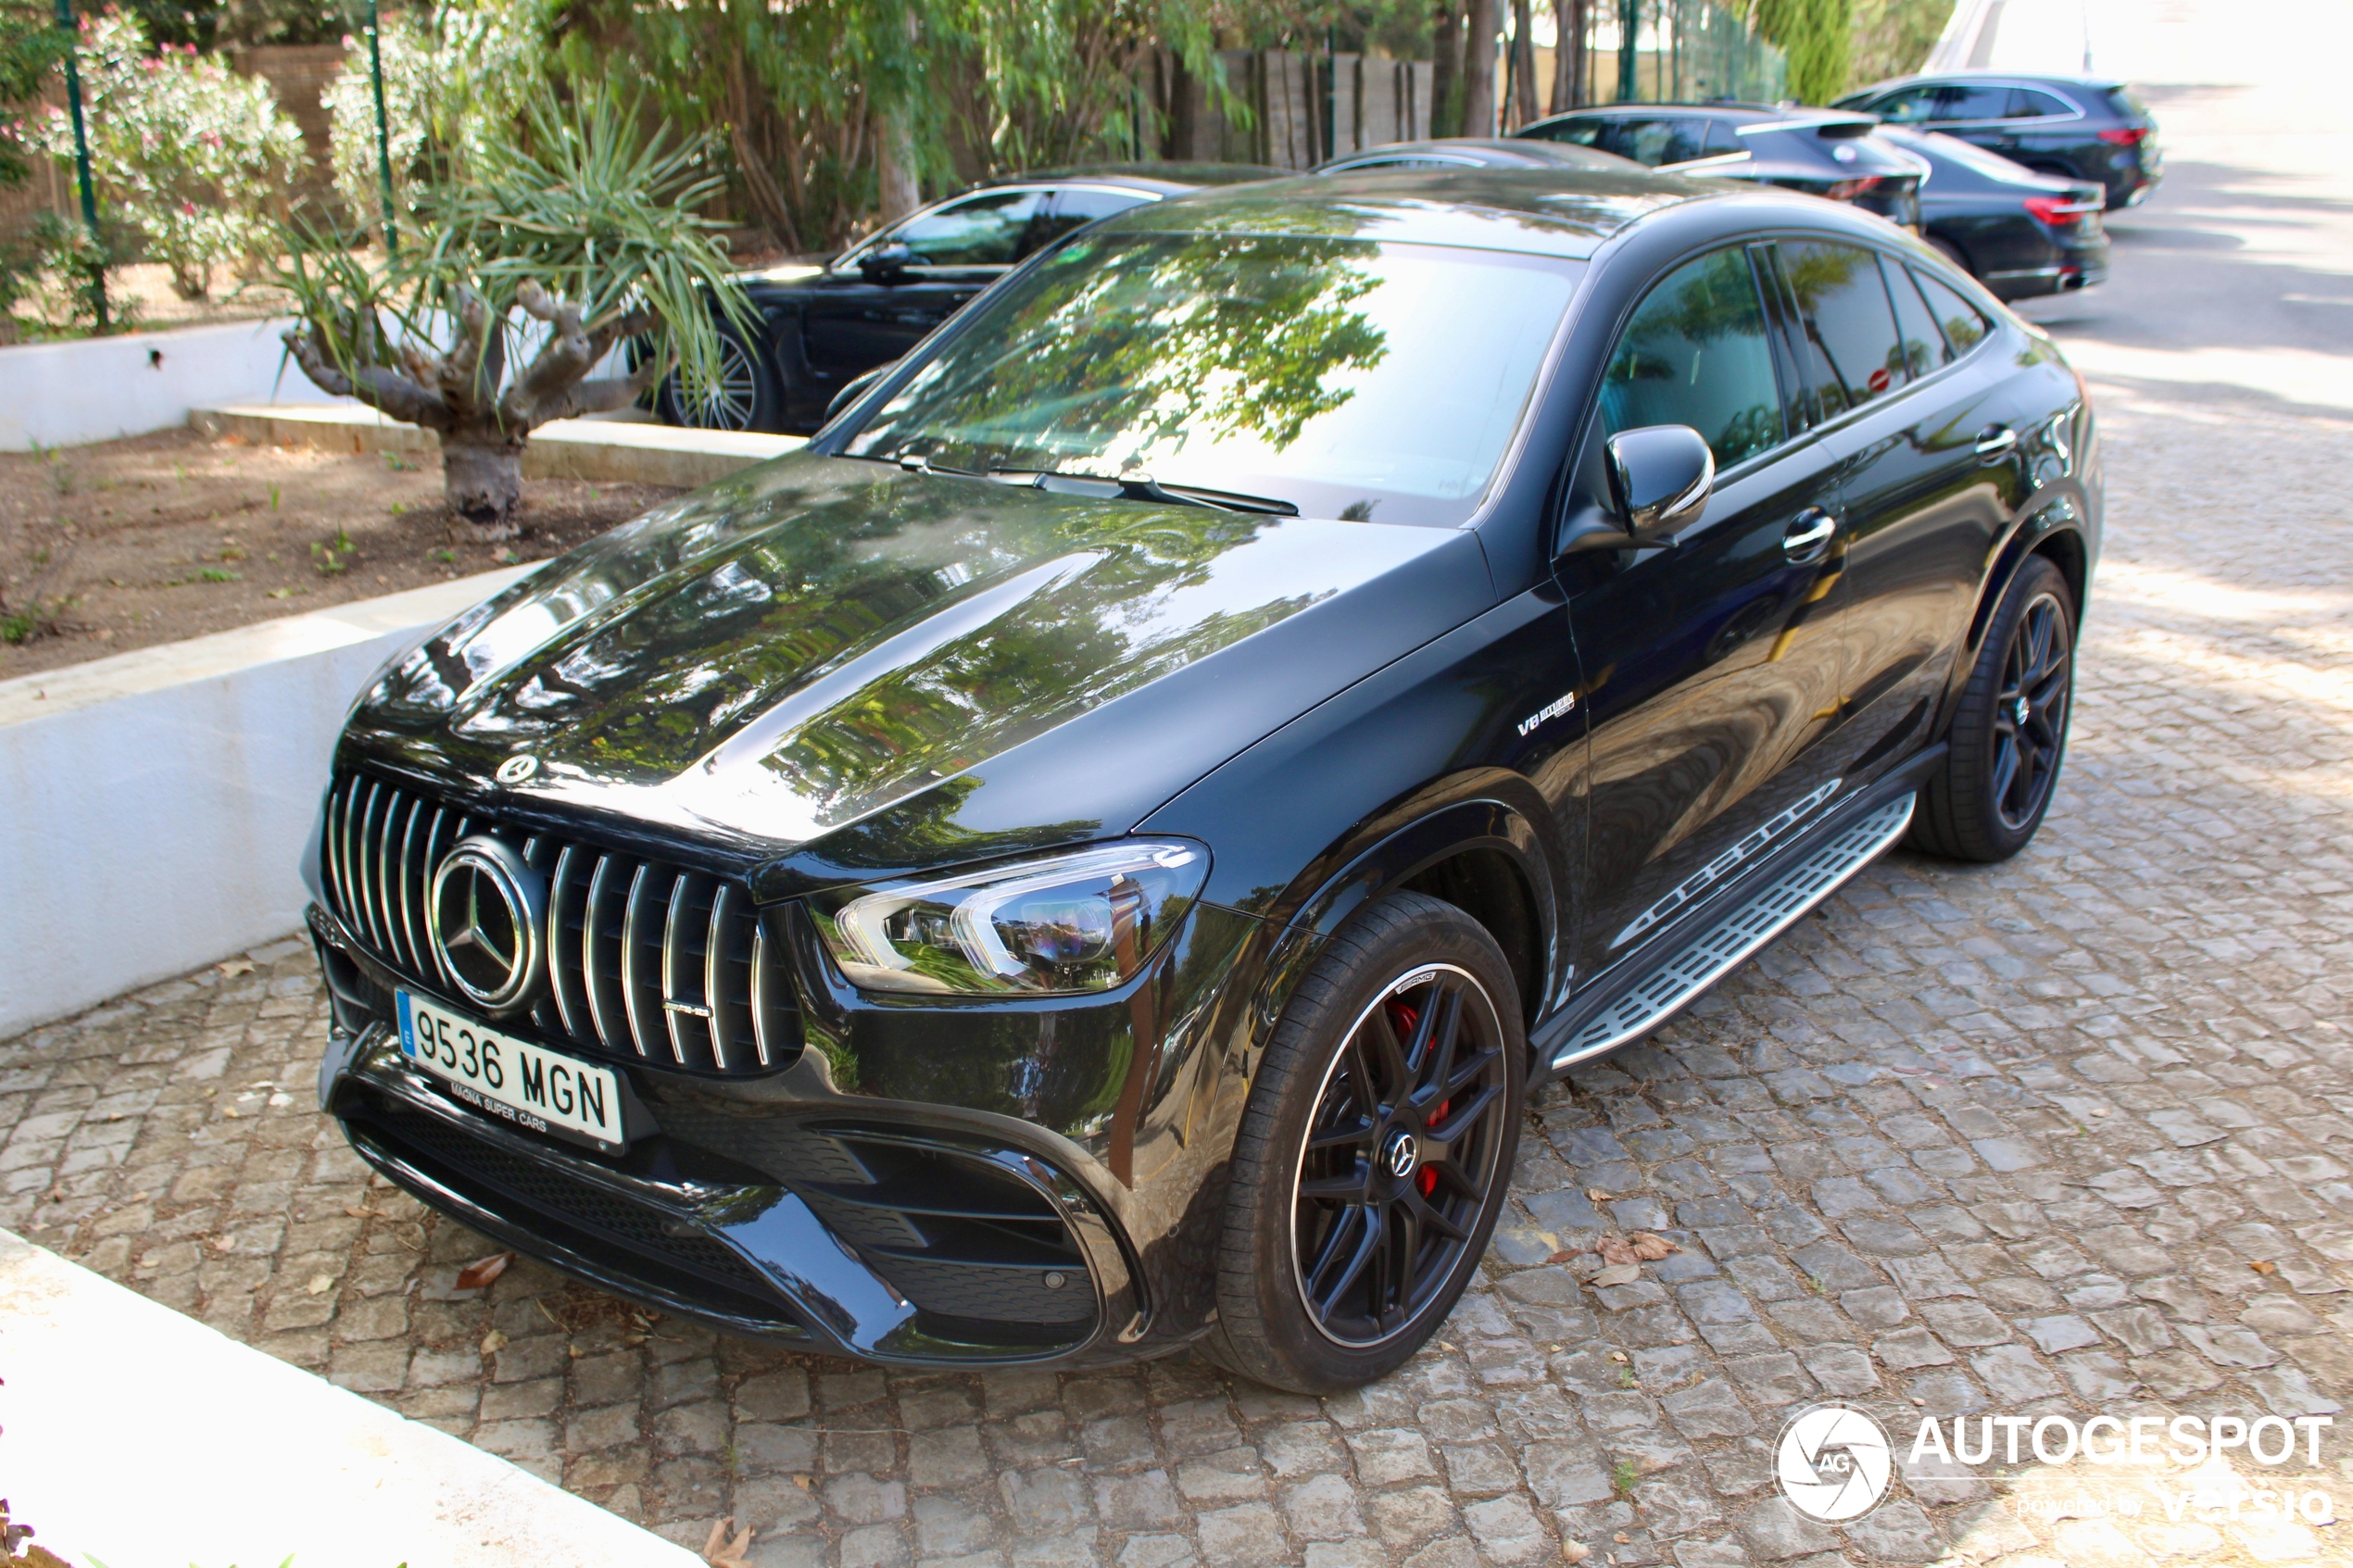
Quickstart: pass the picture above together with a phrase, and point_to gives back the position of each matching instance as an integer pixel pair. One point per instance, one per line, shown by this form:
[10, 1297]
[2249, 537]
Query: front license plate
[511, 1079]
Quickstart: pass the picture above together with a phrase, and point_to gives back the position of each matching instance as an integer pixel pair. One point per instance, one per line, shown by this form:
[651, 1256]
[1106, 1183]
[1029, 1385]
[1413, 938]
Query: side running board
[1665, 991]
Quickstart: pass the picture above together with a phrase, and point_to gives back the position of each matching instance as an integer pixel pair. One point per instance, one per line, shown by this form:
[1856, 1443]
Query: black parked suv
[1817, 151]
[1090, 857]
[824, 323]
[2090, 128]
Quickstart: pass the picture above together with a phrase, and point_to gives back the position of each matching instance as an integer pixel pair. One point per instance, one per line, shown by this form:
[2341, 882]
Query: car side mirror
[885, 262]
[1659, 478]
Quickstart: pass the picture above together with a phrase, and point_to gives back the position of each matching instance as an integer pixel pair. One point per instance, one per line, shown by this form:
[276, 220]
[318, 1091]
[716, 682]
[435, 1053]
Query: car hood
[824, 667]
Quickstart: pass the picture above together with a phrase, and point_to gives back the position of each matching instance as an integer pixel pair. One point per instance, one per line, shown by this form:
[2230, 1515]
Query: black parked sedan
[2017, 232]
[1821, 153]
[1090, 857]
[822, 324]
[2072, 126]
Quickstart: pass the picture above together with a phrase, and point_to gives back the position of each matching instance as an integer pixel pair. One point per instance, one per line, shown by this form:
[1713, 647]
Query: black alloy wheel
[1400, 1157]
[2009, 729]
[742, 397]
[2030, 714]
[1374, 1152]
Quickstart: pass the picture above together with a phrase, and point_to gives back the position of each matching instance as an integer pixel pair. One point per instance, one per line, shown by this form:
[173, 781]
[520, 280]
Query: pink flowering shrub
[198, 158]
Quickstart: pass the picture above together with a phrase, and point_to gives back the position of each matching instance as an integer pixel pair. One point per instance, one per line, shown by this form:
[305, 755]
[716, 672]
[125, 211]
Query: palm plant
[585, 224]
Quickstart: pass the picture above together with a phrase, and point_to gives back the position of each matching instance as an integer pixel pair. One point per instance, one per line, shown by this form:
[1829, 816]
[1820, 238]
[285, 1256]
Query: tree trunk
[1478, 69]
[1445, 70]
[895, 167]
[1568, 55]
[464, 396]
[481, 479]
[1523, 64]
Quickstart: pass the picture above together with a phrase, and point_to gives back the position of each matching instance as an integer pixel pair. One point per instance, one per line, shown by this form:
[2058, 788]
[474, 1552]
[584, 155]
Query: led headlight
[1085, 921]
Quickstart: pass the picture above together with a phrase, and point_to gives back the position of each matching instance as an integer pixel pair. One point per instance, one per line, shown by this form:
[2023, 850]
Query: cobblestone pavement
[2067, 1134]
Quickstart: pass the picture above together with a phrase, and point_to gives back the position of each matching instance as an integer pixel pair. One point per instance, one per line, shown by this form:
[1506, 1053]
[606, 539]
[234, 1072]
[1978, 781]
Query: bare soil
[127, 544]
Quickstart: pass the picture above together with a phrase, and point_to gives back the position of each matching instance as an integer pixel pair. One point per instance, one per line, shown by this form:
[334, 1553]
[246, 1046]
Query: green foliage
[1892, 37]
[30, 44]
[454, 83]
[193, 155]
[592, 201]
[803, 93]
[599, 212]
[1817, 37]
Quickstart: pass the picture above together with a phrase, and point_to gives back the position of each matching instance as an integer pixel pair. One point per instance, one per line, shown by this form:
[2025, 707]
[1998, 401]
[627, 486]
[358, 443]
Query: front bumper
[783, 1207]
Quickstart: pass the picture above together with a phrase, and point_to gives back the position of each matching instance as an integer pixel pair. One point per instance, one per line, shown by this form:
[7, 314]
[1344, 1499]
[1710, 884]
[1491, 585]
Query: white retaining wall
[137, 1436]
[95, 389]
[154, 806]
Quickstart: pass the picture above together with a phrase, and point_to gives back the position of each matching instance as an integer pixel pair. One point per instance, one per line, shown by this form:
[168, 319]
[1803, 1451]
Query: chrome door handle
[1809, 535]
[1994, 441]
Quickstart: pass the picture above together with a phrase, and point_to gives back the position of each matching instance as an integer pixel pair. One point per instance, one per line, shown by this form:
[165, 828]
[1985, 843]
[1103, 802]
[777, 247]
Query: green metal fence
[1683, 51]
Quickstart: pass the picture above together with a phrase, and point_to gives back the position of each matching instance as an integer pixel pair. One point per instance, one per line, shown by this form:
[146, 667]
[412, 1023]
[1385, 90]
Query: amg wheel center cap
[484, 912]
[1401, 1154]
[2022, 711]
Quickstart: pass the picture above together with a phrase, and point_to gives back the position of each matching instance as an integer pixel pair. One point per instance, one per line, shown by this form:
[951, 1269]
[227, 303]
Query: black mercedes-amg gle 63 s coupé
[1090, 857]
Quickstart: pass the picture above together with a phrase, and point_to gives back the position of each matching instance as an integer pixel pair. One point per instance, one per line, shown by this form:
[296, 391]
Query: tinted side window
[2027, 104]
[1964, 328]
[1924, 346]
[983, 231]
[1909, 107]
[1579, 132]
[1074, 209]
[1695, 354]
[1973, 103]
[1722, 139]
[1656, 142]
[1845, 318]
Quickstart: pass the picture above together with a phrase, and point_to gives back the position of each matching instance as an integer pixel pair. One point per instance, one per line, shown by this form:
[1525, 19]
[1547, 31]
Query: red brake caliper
[1404, 1017]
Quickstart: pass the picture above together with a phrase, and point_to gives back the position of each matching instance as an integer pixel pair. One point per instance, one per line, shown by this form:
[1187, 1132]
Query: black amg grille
[607, 1227]
[644, 959]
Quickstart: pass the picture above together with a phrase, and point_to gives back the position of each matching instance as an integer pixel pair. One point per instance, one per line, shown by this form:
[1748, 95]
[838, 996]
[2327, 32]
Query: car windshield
[1343, 377]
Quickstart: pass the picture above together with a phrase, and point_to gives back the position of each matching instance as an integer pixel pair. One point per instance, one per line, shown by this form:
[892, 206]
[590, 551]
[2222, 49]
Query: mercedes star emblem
[485, 913]
[516, 769]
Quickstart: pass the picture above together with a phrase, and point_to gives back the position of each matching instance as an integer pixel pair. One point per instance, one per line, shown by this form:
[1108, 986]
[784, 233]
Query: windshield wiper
[1142, 487]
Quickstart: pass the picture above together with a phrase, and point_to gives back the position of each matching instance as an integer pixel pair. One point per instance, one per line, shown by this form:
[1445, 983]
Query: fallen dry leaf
[1575, 1552]
[1615, 1249]
[223, 1243]
[1650, 1248]
[721, 1552]
[1617, 1273]
[478, 1274]
[1597, 1195]
[235, 967]
[2264, 1268]
[1622, 1538]
[362, 1212]
[1565, 1255]
[801, 1481]
[493, 1342]
[320, 1284]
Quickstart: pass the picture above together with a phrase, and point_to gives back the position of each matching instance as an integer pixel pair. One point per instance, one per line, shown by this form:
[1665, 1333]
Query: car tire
[1990, 795]
[1952, 254]
[1408, 1025]
[746, 398]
